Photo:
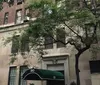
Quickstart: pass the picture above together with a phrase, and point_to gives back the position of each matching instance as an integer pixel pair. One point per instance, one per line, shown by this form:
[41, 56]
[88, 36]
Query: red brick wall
[11, 10]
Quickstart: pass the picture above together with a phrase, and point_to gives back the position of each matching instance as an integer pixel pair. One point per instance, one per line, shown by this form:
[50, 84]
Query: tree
[78, 19]
[1, 4]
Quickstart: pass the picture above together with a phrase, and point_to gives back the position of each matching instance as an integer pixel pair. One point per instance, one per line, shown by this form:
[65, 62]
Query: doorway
[59, 68]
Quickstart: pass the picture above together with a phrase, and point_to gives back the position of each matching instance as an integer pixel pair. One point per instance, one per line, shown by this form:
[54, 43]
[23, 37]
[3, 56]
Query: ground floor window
[12, 76]
[14, 72]
[22, 70]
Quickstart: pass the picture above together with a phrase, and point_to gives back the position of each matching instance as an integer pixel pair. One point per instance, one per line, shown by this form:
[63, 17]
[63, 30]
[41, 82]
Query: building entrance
[59, 68]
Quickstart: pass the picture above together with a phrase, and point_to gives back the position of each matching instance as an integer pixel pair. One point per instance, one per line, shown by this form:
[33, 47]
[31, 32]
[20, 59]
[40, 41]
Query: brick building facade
[11, 10]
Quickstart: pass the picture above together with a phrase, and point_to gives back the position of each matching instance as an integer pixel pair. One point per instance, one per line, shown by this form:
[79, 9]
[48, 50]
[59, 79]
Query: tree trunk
[77, 56]
[77, 69]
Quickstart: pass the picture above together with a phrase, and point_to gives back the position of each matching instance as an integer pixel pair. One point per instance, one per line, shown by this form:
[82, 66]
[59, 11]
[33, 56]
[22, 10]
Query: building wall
[31, 59]
[5, 57]
[65, 56]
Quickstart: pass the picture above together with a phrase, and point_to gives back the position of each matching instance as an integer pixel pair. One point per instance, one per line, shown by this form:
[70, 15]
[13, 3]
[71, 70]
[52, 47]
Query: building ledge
[56, 55]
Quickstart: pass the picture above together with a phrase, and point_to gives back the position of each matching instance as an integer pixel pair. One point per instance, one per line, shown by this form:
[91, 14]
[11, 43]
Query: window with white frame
[6, 18]
[26, 15]
[18, 16]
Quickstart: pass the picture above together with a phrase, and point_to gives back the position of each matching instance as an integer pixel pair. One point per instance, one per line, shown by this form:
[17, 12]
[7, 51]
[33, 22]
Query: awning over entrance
[41, 74]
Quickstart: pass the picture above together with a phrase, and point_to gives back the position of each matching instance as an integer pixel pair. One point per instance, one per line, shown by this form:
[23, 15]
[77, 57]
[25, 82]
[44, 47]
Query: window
[26, 15]
[48, 42]
[12, 76]
[6, 18]
[18, 16]
[26, 12]
[19, 1]
[15, 44]
[22, 45]
[60, 38]
[22, 70]
[25, 44]
[10, 2]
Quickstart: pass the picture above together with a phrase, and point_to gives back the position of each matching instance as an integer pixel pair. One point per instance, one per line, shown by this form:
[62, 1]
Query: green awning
[42, 74]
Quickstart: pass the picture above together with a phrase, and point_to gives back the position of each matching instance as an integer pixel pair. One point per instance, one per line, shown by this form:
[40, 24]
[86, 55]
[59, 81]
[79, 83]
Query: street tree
[1, 2]
[78, 20]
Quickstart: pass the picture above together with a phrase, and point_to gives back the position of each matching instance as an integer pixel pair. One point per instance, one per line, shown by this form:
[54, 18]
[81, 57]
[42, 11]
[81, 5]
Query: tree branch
[91, 10]
[72, 43]
[74, 32]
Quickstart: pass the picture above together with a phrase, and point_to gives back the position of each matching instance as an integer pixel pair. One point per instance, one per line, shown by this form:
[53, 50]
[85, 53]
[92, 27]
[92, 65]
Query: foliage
[78, 19]
[68, 15]
[1, 2]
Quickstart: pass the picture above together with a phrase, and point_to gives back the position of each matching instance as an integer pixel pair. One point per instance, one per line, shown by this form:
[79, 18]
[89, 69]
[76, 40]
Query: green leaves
[1, 2]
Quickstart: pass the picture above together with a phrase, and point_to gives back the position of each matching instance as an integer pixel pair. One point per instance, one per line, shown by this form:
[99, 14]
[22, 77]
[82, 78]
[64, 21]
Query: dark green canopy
[41, 74]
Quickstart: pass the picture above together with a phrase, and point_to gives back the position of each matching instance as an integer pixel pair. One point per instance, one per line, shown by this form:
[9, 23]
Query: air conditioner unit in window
[26, 19]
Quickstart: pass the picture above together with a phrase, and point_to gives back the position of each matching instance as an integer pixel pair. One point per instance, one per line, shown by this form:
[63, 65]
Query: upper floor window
[27, 12]
[26, 15]
[60, 38]
[48, 42]
[22, 45]
[19, 1]
[15, 44]
[6, 18]
[18, 16]
[10, 2]
[12, 76]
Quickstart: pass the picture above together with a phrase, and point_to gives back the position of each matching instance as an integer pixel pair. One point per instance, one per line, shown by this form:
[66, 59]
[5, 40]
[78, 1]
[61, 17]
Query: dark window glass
[22, 45]
[12, 76]
[22, 70]
[18, 16]
[48, 42]
[15, 44]
[60, 38]
[6, 18]
[25, 44]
